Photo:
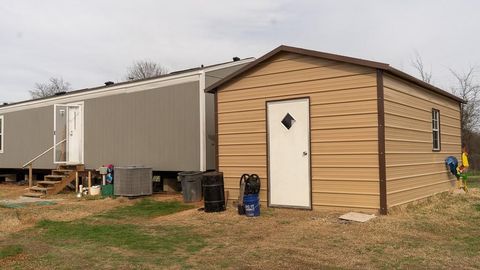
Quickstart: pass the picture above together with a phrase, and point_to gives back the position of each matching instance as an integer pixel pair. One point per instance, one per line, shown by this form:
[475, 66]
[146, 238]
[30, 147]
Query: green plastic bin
[107, 190]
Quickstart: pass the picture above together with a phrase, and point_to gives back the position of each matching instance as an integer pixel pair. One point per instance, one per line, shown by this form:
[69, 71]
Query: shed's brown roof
[357, 61]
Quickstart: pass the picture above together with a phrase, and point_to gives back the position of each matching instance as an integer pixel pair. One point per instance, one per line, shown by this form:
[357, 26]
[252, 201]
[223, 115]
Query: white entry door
[74, 135]
[289, 153]
[68, 134]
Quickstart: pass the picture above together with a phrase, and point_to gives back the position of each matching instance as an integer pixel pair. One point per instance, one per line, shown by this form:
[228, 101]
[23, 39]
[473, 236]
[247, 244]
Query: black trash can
[214, 195]
[191, 186]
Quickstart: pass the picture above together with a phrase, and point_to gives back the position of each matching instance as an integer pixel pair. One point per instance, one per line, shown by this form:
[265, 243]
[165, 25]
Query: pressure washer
[249, 190]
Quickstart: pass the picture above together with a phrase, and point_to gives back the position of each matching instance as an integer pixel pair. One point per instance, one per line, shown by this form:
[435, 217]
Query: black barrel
[213, 192]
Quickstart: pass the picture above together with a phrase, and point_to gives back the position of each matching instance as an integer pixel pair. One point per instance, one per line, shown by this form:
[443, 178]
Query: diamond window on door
[288, 121]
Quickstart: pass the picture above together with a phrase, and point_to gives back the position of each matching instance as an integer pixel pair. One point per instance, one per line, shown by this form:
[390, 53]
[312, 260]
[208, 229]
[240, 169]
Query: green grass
[45, 203]
[9, 251]
[158, 239]
[11, 205]
[147, 208]
[121, 243]
[473, 181]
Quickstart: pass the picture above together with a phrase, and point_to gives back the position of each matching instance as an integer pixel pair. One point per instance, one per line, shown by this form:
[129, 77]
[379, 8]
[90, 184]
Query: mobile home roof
[110, 88]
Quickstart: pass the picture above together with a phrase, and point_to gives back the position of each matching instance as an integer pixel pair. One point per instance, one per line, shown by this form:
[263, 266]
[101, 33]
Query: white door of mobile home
[68, 134]
[74, 127]
[289, 153]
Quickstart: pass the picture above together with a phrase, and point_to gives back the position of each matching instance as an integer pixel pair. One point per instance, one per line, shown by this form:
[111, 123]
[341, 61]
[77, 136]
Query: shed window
[436, 130]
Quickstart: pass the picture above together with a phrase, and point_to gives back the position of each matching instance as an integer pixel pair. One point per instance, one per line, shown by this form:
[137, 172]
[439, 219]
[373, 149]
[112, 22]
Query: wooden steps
[55, 182]
[55, 176]
[33, 194]
[47, 182]
[42, 189]
[60, 172]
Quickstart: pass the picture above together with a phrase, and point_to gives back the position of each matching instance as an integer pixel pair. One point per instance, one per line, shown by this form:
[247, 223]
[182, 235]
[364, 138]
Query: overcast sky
[90, 42]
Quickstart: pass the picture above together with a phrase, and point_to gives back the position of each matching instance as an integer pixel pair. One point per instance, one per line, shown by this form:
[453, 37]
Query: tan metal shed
[324, 130]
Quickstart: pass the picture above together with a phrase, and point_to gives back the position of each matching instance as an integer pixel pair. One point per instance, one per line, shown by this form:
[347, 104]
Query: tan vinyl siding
[343, 127]
[414, 171]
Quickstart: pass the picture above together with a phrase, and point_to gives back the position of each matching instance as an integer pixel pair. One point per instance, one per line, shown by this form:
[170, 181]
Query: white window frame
[2, 132]
[436, 130]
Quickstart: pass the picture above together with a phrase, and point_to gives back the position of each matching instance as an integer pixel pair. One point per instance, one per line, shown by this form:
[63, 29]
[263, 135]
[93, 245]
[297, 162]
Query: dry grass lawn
[442, 232]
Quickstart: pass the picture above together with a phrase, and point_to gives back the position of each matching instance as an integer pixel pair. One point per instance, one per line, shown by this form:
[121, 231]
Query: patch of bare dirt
[11, 190]
[409, 237]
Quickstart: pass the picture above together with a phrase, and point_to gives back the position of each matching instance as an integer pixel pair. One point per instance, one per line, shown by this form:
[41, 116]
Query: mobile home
[165, 122]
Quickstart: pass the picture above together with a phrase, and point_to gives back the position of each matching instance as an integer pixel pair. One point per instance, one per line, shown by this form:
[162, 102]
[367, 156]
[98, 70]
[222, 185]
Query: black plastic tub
[213, 191]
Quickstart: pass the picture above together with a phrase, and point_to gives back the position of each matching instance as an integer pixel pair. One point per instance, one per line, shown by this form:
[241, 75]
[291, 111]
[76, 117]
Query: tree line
[142, 69]
[466, 86]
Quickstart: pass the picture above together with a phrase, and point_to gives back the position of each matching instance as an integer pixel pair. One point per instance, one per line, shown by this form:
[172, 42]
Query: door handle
[305, 153]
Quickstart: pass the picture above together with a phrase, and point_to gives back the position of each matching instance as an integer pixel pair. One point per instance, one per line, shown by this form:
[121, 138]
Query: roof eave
[421, 83]
[357, 61]
[283, 48]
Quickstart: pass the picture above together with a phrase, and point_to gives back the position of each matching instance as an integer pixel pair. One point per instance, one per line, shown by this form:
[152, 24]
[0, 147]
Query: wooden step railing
[30, 163]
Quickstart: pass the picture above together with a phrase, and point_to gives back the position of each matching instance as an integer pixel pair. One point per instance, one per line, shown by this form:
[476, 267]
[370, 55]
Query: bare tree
[468, 89]
[144, 69]
[50, 88]
[417, 63]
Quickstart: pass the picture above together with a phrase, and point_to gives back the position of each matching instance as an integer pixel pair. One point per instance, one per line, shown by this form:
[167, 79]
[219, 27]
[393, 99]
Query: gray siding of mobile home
[27, 133]
[158, 128]
[212, 77]
[210, 126]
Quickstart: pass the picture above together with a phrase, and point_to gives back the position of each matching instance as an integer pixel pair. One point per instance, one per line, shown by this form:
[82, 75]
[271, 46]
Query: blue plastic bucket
[252, 205]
